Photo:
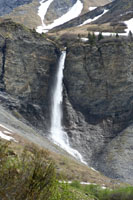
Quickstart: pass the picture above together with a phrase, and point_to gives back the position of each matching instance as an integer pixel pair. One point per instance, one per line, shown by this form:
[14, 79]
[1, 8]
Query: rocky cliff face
[98, 104]
[26, 62]
[98, 88]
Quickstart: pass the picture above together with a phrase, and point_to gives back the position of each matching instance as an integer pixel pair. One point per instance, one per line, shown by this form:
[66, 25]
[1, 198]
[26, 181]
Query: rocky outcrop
[116, 159]
[26, 62]
[120, 10]
[99, 86]
[61, 8]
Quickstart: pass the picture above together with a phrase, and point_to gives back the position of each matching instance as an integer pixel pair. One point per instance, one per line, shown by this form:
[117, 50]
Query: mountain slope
[98, 85]
[6, 6]
[27, 13]
[116, 12]
[97, 90]
[120, 10]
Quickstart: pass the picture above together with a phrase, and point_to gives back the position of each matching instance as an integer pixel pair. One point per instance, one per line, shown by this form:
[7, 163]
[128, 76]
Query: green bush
[27, 176]
[30, 175]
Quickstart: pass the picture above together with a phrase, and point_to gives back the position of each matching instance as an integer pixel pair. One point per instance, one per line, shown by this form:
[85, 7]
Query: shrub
[27, 176]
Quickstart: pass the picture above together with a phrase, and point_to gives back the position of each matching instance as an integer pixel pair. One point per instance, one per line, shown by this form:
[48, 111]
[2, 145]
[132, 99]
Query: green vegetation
[29, 174]
[26, 176]
[96, 192]
[92, 39]
[100, 36]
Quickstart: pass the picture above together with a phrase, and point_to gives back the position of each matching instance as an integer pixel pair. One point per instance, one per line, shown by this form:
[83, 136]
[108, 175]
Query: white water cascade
[58, 135]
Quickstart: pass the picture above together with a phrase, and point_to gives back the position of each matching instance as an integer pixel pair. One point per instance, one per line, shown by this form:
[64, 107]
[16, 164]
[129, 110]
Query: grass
[31, 175]
[98, 193]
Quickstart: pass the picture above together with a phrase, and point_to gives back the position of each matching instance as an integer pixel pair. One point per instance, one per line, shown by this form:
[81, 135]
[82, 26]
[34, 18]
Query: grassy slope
[26, 15]
[28, 173]
[66, 167]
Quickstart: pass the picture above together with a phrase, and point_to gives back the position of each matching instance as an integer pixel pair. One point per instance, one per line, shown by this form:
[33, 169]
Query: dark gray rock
[98, 103]
[116, 160]
[60, 6]
[26, 64]
[6, 6]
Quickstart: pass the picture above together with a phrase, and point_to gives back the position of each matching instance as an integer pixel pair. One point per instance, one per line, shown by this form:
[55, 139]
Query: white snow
[44, 5]
[73, 12]
[84, 39]
[94, 169]
[7, 132]
[6, 137]
[5, 127]
[129, 24]
[95, 18]
[105, 33]
[92, 8]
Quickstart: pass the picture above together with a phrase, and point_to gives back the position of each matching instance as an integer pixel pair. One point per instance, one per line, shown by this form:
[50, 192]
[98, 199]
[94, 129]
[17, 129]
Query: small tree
[91, 38]
[100, 36]
[130, 35]
[117, 35]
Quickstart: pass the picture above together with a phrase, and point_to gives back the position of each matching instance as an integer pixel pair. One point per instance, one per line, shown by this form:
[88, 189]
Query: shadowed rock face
[98, 103]
[26, 62]
[120, 10]
[99, 80]
[6, 6]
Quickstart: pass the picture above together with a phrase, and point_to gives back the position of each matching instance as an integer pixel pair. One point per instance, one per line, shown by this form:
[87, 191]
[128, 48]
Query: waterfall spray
[58, 135]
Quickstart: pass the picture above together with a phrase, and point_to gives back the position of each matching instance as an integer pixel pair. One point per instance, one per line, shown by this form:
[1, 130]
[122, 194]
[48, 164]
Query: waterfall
[58, 135]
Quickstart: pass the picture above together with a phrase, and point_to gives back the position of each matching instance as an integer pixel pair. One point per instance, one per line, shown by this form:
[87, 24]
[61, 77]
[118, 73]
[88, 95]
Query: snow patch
[92, 8]
[1, 125]
[6, 137]
[128, 23]
[95, 18]
[105, 33]
[6, 131]
[44, 5]
[73, 12]
[84, 39]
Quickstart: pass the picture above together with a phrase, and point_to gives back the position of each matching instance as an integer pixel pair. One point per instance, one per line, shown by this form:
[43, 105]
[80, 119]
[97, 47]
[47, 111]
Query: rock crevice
[2, 84]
